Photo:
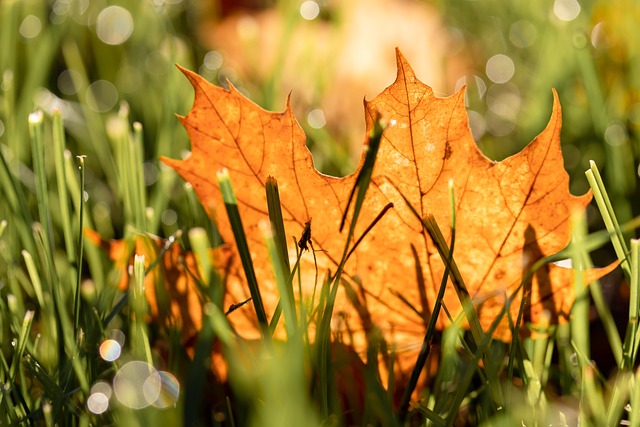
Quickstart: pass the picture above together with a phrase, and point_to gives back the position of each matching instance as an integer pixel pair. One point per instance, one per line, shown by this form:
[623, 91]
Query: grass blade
[231, 204]
[608, 216]
[431, 327]
[61, 183]
[36, 130]
[77, 299]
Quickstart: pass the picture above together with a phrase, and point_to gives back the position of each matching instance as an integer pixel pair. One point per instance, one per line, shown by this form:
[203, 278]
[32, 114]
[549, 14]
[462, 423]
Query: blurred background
[106, 64]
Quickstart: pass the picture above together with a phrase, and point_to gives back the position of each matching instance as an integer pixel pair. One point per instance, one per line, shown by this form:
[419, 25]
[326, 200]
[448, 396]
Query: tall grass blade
[323, 337]
[198, 370]
[283, 280]
[277, 223]
[21, 345]
[280, 258]
[231, 205]
[140, 346]
[633, 332]
[36, 130]
[77, 299]
[364, 176]
[431, 326]
[608, 216]
[61, 183]
[634, 413]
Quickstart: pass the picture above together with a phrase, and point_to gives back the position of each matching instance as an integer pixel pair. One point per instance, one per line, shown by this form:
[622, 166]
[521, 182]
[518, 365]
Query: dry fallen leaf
[509, 213]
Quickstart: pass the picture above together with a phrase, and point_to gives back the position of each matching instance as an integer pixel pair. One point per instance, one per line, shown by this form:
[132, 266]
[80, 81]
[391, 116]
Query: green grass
[67, 163]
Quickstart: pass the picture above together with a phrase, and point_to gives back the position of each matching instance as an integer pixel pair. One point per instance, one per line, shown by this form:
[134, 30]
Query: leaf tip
[192, 76]
[557, 109]
[404, 68]
[172, 163]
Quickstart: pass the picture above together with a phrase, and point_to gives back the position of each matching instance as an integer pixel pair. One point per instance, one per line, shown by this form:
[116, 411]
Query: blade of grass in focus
[231, 204]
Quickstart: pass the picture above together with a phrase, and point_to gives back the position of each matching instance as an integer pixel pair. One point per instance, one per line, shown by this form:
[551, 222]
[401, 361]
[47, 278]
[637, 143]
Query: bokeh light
[499, 122]
[599, 37]
[110, 350]
[114, 25]
[59, 11]
[156, 63]
[316, 118]
[169, 217]
[101, 96]
[98, 401]
[476, 87]
[477, 124]
[30, 27]
[69, 81]
[505, 97]
[500, 68]
[102, 211]
[150, 173]
[169, 390]
[309, 10]
[213, 60]
[102, 387]
[522, 33]
[566, 10]
[616, 134]
[137, 385]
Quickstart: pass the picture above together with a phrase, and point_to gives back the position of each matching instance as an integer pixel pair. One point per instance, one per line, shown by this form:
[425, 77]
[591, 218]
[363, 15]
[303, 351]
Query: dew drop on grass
[574, 359]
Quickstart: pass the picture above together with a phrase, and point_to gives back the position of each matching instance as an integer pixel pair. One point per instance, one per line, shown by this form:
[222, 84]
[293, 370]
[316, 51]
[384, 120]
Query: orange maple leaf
[510, 213]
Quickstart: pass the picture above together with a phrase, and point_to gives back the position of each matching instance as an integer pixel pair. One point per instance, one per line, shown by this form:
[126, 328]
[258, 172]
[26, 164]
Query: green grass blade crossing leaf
[231, 204]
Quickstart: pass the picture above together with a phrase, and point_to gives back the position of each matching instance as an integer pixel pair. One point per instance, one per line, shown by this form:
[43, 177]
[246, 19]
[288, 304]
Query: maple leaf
[510, 213]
